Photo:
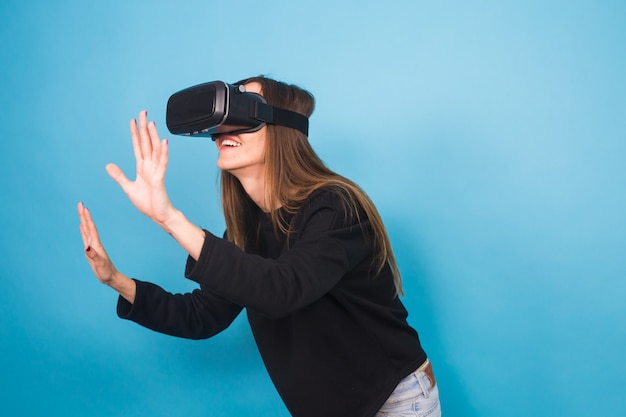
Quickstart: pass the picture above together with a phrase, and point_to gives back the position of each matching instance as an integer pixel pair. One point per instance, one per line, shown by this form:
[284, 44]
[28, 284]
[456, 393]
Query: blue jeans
[413, 397]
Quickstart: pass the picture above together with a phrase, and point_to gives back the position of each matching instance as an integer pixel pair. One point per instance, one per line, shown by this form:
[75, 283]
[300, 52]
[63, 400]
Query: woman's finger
[90, 226]
[94, 251]
[79, 208]
[83, 231]
[93, 239]
[88, 230]
[155, 141]
[134, 134]
[144, 137]
[164, 155]
[83, 235]
[83, 220]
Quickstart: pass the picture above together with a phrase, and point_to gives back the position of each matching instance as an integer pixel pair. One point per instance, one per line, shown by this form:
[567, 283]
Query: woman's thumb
[116, 173]
[90, 252]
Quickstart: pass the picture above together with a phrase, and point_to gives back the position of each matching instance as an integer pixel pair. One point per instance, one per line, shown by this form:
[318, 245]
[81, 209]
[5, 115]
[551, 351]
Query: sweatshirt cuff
[125, 309]
[193, 268]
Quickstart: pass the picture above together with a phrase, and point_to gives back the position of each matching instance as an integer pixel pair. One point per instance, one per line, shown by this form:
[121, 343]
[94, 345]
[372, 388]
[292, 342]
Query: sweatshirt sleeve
[196, 315]
[326, 248]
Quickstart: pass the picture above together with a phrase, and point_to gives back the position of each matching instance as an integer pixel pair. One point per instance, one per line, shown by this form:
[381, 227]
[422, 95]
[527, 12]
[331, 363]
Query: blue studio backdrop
[490, 134]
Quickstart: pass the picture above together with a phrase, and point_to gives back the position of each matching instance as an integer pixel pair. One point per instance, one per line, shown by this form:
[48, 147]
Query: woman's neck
[254, 186]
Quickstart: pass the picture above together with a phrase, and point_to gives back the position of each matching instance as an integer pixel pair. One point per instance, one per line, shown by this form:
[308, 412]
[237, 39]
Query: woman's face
[243, 154]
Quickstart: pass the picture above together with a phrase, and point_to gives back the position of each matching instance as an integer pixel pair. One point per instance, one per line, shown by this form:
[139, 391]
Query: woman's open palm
[147, 192]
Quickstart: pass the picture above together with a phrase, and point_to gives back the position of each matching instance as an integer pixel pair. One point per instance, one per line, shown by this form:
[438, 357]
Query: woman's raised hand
[147, 192]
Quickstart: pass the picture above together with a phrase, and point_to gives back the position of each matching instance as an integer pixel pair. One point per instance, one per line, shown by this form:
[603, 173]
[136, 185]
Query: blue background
[490, 134]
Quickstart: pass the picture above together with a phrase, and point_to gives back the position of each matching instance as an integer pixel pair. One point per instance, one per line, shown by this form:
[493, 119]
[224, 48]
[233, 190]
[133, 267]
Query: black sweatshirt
[332, 333]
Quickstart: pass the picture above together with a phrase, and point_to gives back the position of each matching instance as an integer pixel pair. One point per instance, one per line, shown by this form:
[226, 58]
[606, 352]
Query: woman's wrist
[173, 221]
[124, 285]
[187, 234]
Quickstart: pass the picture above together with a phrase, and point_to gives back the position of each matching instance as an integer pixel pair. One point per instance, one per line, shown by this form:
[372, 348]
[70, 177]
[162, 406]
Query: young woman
[305, 254]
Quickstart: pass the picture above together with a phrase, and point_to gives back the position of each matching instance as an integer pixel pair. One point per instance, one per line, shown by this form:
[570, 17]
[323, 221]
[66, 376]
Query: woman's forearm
[124, 285]
[187, 234]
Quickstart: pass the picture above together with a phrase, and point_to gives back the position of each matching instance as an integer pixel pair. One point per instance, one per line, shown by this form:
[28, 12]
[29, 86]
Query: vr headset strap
[277, 116]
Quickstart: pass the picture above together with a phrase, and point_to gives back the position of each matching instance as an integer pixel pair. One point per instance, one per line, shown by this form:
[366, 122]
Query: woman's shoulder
[328, 203]
[329, 196]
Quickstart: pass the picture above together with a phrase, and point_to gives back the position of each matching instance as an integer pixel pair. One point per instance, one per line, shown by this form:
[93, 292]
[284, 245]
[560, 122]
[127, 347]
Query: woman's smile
[226, 142]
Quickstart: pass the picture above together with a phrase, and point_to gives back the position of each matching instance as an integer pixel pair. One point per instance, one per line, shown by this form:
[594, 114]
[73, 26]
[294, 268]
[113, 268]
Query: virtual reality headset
[216, 108]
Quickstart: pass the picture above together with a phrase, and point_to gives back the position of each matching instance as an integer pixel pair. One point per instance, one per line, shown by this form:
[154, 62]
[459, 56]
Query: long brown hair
[292, 172]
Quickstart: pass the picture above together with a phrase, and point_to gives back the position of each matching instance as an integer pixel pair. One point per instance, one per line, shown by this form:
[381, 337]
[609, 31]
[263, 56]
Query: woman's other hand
[98, 259]
[147, 192]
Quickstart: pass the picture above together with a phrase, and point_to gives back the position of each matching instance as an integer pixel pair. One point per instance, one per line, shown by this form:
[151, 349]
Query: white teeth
[230, 142]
